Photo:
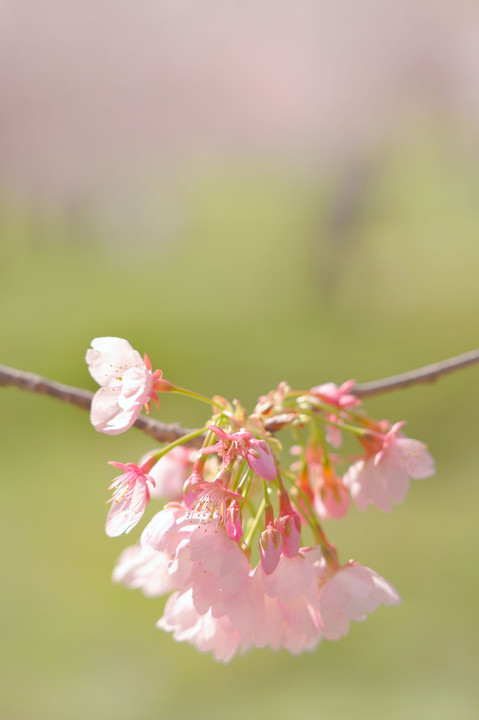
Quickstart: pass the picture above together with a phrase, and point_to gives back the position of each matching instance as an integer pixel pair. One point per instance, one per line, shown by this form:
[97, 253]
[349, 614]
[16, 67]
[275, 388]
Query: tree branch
[426, 374]
[31, 382]
[163, 432]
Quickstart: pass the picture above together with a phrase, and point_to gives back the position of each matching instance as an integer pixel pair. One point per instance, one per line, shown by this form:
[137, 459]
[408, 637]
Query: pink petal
[261, 460]
[106, 416]
[124, 515]
[418, 462]
[108, 359]
[140, 566]
[327, 503]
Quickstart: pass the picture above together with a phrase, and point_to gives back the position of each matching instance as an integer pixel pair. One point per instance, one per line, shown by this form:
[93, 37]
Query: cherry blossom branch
[426, 374]
[164, 432]
[31, 382]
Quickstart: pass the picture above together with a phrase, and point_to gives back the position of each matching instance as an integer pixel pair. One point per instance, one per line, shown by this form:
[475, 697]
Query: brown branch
[31, 382]
[164, 432]
[426, 374]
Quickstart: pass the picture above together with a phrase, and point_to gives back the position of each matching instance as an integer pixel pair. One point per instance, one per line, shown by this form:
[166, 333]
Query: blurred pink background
[91, 87]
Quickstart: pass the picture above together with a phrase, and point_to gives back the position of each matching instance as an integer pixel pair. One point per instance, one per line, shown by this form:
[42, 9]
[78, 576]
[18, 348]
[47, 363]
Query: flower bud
[270, 547]
[289, 526]
[261, 460]
[233, 526]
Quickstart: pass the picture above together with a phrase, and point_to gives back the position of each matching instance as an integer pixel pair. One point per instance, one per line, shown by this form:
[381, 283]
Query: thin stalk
[254, 526]
[181, 441]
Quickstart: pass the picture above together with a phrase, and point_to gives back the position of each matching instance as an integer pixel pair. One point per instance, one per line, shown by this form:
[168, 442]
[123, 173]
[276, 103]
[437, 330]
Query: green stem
[345, 426]
[341, 426]
[240, 481]
[256, 521]
[181, 441]
[309, 520]
[318, 435]
[329, 551]
[196, 396]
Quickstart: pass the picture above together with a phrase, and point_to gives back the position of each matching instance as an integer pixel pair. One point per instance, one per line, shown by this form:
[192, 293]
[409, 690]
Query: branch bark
[426, 374]
[164, 432]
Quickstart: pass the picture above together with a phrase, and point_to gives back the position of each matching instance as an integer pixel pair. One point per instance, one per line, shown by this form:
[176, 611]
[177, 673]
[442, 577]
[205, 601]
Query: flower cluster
[239, 542]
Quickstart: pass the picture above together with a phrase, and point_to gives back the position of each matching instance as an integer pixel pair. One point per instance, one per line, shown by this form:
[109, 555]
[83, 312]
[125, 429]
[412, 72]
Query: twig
[31, 382]
[426, 374]
[164, 432]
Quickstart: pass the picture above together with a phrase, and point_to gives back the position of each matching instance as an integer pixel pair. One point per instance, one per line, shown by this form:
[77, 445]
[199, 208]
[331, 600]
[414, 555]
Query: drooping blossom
[348, 594]
[207, 498]
[205, 632]
[213, 566]
[195, 548]
[131, 495]
[285, 612]
[383, 478]
[171, 472]
[275, 611]
[127, 384]
[166, 529]
[331, 498]
[203, 556]
[331, 501]
[317, 478]
[141, 566]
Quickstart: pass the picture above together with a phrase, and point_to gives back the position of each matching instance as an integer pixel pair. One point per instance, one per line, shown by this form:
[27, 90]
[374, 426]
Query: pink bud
[270, 547]
[233, 526]
[261, 460]
[290, 528]
[331, 501]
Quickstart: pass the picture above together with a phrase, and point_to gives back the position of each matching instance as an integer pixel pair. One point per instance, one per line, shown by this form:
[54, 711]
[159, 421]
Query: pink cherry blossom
[212, 565]
[194, 547]
[331, 501]
[141, 566]
[286, 615]
[348, 594]
[131, 495]
[205, 632]
[171, 472]
[331, 498]
[202, 556]
[383, 478]
[340, 396]
[127, 384]
[167, 528]
[207, 498]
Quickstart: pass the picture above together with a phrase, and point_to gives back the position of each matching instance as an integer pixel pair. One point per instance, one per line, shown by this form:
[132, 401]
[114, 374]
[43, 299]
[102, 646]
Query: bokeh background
[249, 192]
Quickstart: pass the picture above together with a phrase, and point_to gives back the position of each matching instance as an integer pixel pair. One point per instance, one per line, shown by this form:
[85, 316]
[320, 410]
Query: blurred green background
[260, 282]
